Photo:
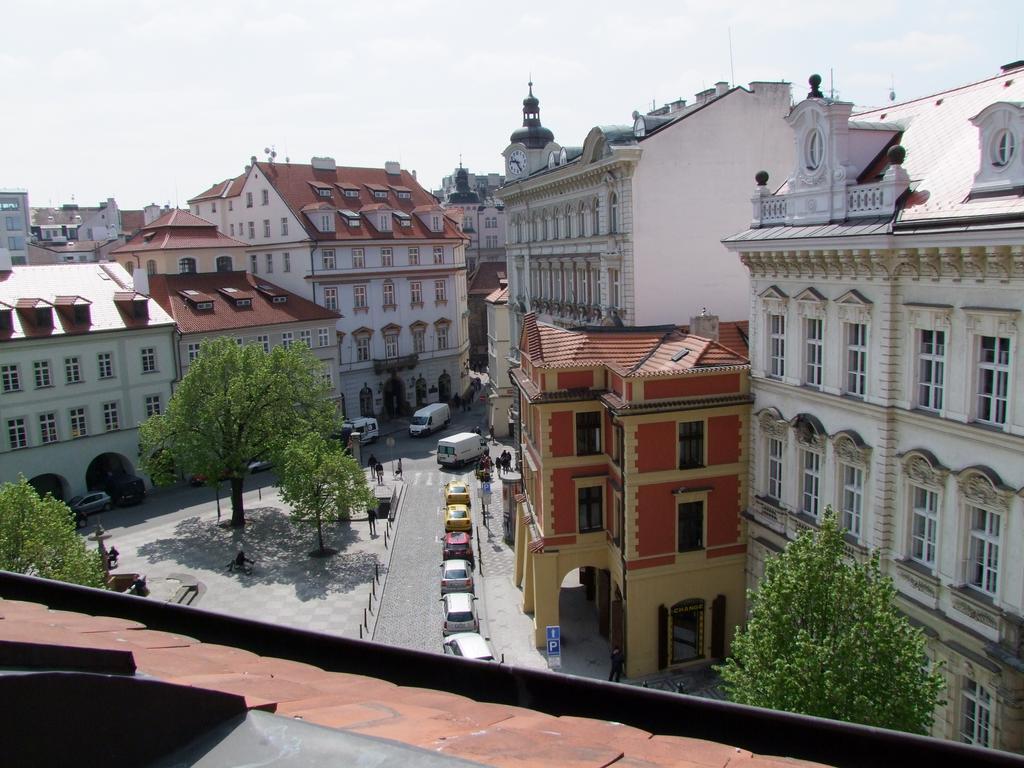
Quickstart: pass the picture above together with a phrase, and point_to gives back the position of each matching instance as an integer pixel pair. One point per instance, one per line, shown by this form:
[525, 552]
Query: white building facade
[886, 288]
[16, 222]
[373, 245]
[626, 229]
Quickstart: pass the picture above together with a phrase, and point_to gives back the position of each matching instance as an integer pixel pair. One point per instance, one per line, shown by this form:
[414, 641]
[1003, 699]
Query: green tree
[824, 638]
[235, 404]
[37, 537]
[320, 481]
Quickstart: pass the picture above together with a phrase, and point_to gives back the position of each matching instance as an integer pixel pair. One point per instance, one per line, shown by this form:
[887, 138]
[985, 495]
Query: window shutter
[718, 627]
[662, 636]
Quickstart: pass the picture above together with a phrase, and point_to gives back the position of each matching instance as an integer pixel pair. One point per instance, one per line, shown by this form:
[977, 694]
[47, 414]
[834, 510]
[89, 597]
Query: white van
[429, 419]
[462, 448]
[367, 428]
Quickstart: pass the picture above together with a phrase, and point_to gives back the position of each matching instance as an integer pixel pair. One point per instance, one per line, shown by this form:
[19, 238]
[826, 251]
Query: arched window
[151, 267]
[545, 230]
[595, 223]
[186, 265]
[558, 225]
[581, 221]
[366, 401]
[568, 221]
[613, 214]
[130, 267]
[224, 264]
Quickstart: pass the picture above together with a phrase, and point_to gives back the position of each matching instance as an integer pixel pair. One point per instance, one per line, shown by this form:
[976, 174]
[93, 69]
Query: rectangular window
[924, 524]
[153, 407]
[853, 498]
[331, 298]
[359, 296]
[391, 346]
[110, 418]
[993, 379]
[358, 259]
[252, 230]
[213, 207]
[17, 435]
[266, 227]
[777, 345]
[231, 205]
[193, 352]
[48, 428]
[287, 259]
[439, 254]
[975, 714]
[588, 433]
[79, 426]
[10, 377]
[856, 359]
[41, 369]
[775, 468]
[329, 261]
[813, 340]
[264, 341]
[389, 294]
[248, 199]
[690, 526]
[270, 263]
[414, 256]
[286, 339]
[418, 340]
[306, 337]
[254, 263]
[984, 550]
[810, 483]
[148, 359]
[362, 349]
[284, 227]
[105, 362]
[687, 628]
[442, 337]
[589, 508]
[691, 444]
[931, 368]
[416, 292]
[232, 229]
[385, 257]
[440, 291]
[265, 194]
[323, 337]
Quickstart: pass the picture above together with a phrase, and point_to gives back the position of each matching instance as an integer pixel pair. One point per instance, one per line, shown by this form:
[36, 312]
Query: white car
[458, 613]
[468, 645]
[456, 576]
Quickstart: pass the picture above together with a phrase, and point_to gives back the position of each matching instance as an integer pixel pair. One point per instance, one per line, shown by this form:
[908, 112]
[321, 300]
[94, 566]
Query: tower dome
[533, 135]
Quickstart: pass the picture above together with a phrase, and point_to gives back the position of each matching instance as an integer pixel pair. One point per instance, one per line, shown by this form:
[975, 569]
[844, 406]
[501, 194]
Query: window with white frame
[284, 226]
[153, 406]
[193, 351]
[613, 214]
[48, 428]
[264, 341]
[856, 358]
[442, 336]
[391, 345]
[813, 340]
[389, 293]
[111, 419]
[440, 291]
[286, 339]
[266, 227]
[993, 379]
[252, 230]
[231, 205]
[983, 550]
[852, 502]
[306, 337]
[254, 263]
[435, 223]
[105, 364]
[362, 349]
[975, 714]
[613, 288]
[331, 298]
[419, 340]
[595, 214]
[359, 296]
[323, 337]
[326, 221]
[248, 199]
[265, 195]
[414, 256]
[148, 359]
[581, 222]
[72, 370]
[810, 482]
[79, 424]
[386, 257]
[776, 345]
[924, 524]
[358, 258]
[931, 369]
[439, 254]
[775, 468]
[328, 260]
[41, 369]
[270, 263]
[17, 434]
[286, 259]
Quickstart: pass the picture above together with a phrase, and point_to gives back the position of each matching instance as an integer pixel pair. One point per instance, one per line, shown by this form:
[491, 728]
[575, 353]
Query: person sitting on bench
[240, 561]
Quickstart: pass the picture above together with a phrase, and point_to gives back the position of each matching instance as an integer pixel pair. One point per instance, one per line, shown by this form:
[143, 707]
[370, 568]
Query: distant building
[481, 217]
[634, 468]
[17, 224]
[501, 394]
[373, 245]
[71, 222]
[483, 281]
[70, 251]
[485, 185]
[179, 242]
[84, 359]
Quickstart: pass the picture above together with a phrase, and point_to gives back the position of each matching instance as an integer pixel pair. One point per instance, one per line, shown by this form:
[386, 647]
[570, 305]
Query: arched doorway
[52, 484]
[105, 467]
[365, 401]
[421, 392]
[444, 388]
[394, 396]
[586, 604]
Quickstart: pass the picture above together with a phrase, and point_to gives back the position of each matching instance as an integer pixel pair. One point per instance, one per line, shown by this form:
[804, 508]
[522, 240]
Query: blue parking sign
[554, 632]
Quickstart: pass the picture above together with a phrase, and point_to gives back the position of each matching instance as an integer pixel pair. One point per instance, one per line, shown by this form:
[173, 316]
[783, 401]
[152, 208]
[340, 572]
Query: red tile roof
[178, 229]
[132, 220]
[99, 285]
[499, 295]
[488, 277]
[168, 291]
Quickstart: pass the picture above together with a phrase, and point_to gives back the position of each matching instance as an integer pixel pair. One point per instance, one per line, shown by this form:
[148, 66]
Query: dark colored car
[126, 489]
[458, 546]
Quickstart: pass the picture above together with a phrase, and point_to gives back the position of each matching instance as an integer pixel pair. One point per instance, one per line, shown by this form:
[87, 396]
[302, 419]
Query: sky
[148, 101]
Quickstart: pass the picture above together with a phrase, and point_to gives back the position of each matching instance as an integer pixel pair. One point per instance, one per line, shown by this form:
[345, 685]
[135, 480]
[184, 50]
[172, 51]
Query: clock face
[517, 162]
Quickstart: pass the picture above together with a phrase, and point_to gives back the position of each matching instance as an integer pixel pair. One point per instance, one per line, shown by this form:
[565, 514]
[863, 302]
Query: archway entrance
[394, 397]
[585, 616]
[444, 388]
[105, 467]
[365, 401]
[421, 392]
[52, 484]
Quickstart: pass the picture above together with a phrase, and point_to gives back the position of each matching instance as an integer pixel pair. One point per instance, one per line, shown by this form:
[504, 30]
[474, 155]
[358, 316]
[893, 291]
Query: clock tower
[531, 144]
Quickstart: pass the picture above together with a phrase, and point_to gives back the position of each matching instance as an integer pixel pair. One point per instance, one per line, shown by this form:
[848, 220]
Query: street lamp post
[100, 536]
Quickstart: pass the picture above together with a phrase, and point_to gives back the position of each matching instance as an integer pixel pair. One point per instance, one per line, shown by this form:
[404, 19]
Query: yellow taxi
[456, 492]
[457, 518]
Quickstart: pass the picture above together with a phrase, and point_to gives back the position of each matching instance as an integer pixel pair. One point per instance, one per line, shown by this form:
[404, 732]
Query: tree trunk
[320, 532]
[237, 510]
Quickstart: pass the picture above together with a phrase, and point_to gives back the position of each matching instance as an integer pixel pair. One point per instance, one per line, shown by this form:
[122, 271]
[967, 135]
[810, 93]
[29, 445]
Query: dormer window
[80, 312]
[1004, 146]
[815, 149]
[379, 194]
[323, 192]
[351, 193]
[44, 317]
[435, 223]
[279, 299]
[405, 195]
[1000, 170]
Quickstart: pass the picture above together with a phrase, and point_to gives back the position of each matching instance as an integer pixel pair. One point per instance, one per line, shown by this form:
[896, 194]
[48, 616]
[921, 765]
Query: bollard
[645, 685]
[369, 603]
[373, 588]
[360, 631]
[376, 571]
[364, 619]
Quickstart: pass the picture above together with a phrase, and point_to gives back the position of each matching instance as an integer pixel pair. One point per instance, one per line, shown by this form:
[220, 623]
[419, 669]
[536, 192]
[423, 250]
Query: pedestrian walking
[398, 469]
[371, 462]
[618, 662]
[490, 433]
[456, 401]
[371, 517]
[380, 473]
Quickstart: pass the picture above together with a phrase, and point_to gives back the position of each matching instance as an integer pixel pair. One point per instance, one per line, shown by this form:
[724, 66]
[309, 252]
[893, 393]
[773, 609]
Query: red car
[458, 546]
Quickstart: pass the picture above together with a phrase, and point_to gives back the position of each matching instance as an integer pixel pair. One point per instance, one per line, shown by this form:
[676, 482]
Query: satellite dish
[266, 150]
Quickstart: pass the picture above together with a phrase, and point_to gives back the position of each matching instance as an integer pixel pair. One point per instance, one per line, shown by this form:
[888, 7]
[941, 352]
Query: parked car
[260, 465]
[459, 613]
[456, 492]
[367, 428]
[457, 450]
[89, 504]
[456, 518]
[456, 576]
[430, 418]
[126, 489]
[458, 546]
[468, 645]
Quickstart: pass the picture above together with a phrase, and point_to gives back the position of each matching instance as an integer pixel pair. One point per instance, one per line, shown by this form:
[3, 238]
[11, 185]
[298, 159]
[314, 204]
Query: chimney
[721, 87]
[392, 168]
[140, 280]
[150, 213]
[704, 325]
[323, 164]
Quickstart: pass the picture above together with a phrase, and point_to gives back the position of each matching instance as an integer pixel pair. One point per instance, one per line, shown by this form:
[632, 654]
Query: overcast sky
[151, 101]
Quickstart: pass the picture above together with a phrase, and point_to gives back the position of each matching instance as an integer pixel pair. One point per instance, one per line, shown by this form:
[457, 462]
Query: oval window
[1003, 148]
[815, 150]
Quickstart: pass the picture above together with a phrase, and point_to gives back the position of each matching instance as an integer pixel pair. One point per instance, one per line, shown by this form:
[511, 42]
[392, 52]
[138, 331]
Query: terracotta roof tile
[487, 277]
[178, 229]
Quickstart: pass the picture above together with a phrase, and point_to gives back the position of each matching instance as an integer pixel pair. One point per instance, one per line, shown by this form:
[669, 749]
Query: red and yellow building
[635, 472]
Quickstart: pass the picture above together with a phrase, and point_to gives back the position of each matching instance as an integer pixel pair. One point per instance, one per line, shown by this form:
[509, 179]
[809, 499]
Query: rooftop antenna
[831, 85]
[732, 71]
[271, 153]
